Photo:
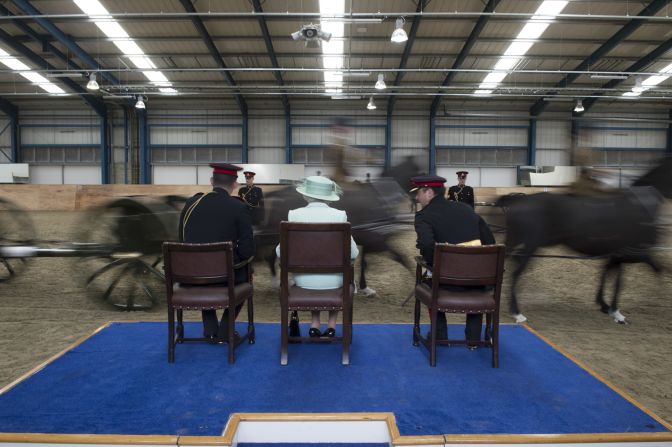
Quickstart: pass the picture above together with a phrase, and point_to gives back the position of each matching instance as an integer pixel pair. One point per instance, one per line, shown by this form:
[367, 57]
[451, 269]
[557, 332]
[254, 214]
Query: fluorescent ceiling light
[558, 99]
[532, 30]
[483, 92]
[64, 75]
[115, 32]
[333, 49]
[354, 74]
[118, 97]
[608, 76]
[346, 97]
[24, 70]
[371, 105]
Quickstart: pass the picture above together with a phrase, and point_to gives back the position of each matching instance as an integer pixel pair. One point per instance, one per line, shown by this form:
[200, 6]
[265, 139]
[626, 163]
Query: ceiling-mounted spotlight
[380, 83]
[638, 87]
[92, 84]
[312, 35]
[399, 35]
[371, 105]
[140, 104]
[578, 108]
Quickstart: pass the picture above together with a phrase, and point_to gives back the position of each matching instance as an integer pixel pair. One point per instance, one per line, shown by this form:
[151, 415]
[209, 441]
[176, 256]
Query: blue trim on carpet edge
[119, 382]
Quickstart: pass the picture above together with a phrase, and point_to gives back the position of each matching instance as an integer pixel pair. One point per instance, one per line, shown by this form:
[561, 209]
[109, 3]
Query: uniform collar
[220, 190]
[437, 199]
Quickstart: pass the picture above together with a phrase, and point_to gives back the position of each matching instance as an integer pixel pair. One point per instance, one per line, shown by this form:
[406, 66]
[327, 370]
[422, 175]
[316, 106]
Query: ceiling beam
[640, 64]
[63, 38]
[271, 52]
[214, 52]
[466, 49]
[94, 102]
[405, 55]
[605, 48]
[8, 108]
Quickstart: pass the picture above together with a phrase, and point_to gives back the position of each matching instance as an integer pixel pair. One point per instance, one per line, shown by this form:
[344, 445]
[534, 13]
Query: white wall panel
[266, 155]
[410, 133]
[174, 175]
[81, 175]
[498, 177]
[46, 175]
[551, 157]
[266, 132]
[554, 134]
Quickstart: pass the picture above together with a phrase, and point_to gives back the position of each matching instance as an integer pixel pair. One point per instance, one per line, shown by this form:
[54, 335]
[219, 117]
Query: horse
[619, 226]
[370, 207]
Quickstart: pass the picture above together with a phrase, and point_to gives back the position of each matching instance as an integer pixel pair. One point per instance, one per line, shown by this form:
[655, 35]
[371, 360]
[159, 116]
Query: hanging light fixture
[371, 105]
[92, 84]
[638, 87]
[399, 35]
[140, 104]
[578, 108]
[380, 83]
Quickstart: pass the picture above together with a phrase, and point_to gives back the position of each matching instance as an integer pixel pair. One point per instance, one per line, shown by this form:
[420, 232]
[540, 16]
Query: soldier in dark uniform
[461, 192]
[218, 217]
[441, 220]
[253, 197]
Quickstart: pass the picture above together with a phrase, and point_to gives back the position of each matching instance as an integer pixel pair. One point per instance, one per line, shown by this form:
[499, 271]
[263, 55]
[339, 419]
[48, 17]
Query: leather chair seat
[207, 297]
[459, 301]
[312, 299]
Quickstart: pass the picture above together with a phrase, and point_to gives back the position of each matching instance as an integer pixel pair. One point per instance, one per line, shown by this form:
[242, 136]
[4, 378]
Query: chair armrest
[420, 263]
[243, 263]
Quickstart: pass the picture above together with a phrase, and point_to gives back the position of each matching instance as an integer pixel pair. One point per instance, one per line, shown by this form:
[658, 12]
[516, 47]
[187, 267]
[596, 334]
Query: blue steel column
[143, 147]
[104, 151]
[16, 155]
[388, 138]
[668, 145]
[125, 145]
[245, 138]
[532, 142]
[432, 144]
[574, 141]
[288, 137]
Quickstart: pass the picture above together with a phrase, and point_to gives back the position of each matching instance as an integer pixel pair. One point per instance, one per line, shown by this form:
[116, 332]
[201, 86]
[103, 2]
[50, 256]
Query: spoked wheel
[16, 229]
[127, 235]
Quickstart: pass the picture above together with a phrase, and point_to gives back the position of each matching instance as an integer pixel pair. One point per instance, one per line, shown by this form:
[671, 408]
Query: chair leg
[180, 326]
[347, 335]
[416, 323]
[495, 340]
[231, 330]
[171, 334]
[250, 321]
[284, 326]
[432, 339]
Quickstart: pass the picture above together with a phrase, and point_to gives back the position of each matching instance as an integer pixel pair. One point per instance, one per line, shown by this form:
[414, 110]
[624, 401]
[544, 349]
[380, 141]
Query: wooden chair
[315, 248]
[200, 277]
[461, 266]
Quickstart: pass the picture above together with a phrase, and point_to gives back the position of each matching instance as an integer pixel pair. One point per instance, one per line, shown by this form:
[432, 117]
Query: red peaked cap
[427, 181]
[226, 169]
[462, 174]
[249, 174]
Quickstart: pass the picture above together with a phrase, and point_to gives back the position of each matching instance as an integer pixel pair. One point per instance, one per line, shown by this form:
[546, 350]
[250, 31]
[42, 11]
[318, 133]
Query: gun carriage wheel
[129, 232]
[16, 229]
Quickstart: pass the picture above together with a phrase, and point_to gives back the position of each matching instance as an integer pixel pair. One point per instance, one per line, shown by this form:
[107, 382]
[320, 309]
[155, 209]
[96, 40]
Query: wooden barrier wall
[79, 197]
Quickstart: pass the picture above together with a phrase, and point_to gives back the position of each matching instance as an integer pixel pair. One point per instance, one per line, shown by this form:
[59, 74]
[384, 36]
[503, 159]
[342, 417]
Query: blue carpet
[119, 382]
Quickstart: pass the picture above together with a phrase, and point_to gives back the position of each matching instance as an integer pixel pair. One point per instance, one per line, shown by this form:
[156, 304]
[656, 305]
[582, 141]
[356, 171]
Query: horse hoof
[618, 317]
[368, 291]
[520, 318]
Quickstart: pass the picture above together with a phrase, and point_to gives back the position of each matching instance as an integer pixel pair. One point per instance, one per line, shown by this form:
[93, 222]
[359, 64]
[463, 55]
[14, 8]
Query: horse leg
[613, 310]
[363, 288]
[522, 264]
[271, 260]
[599, 298]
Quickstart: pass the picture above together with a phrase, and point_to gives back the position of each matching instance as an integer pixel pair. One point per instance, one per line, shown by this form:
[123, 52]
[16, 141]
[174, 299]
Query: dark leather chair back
[198, 263]
[468, 265]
